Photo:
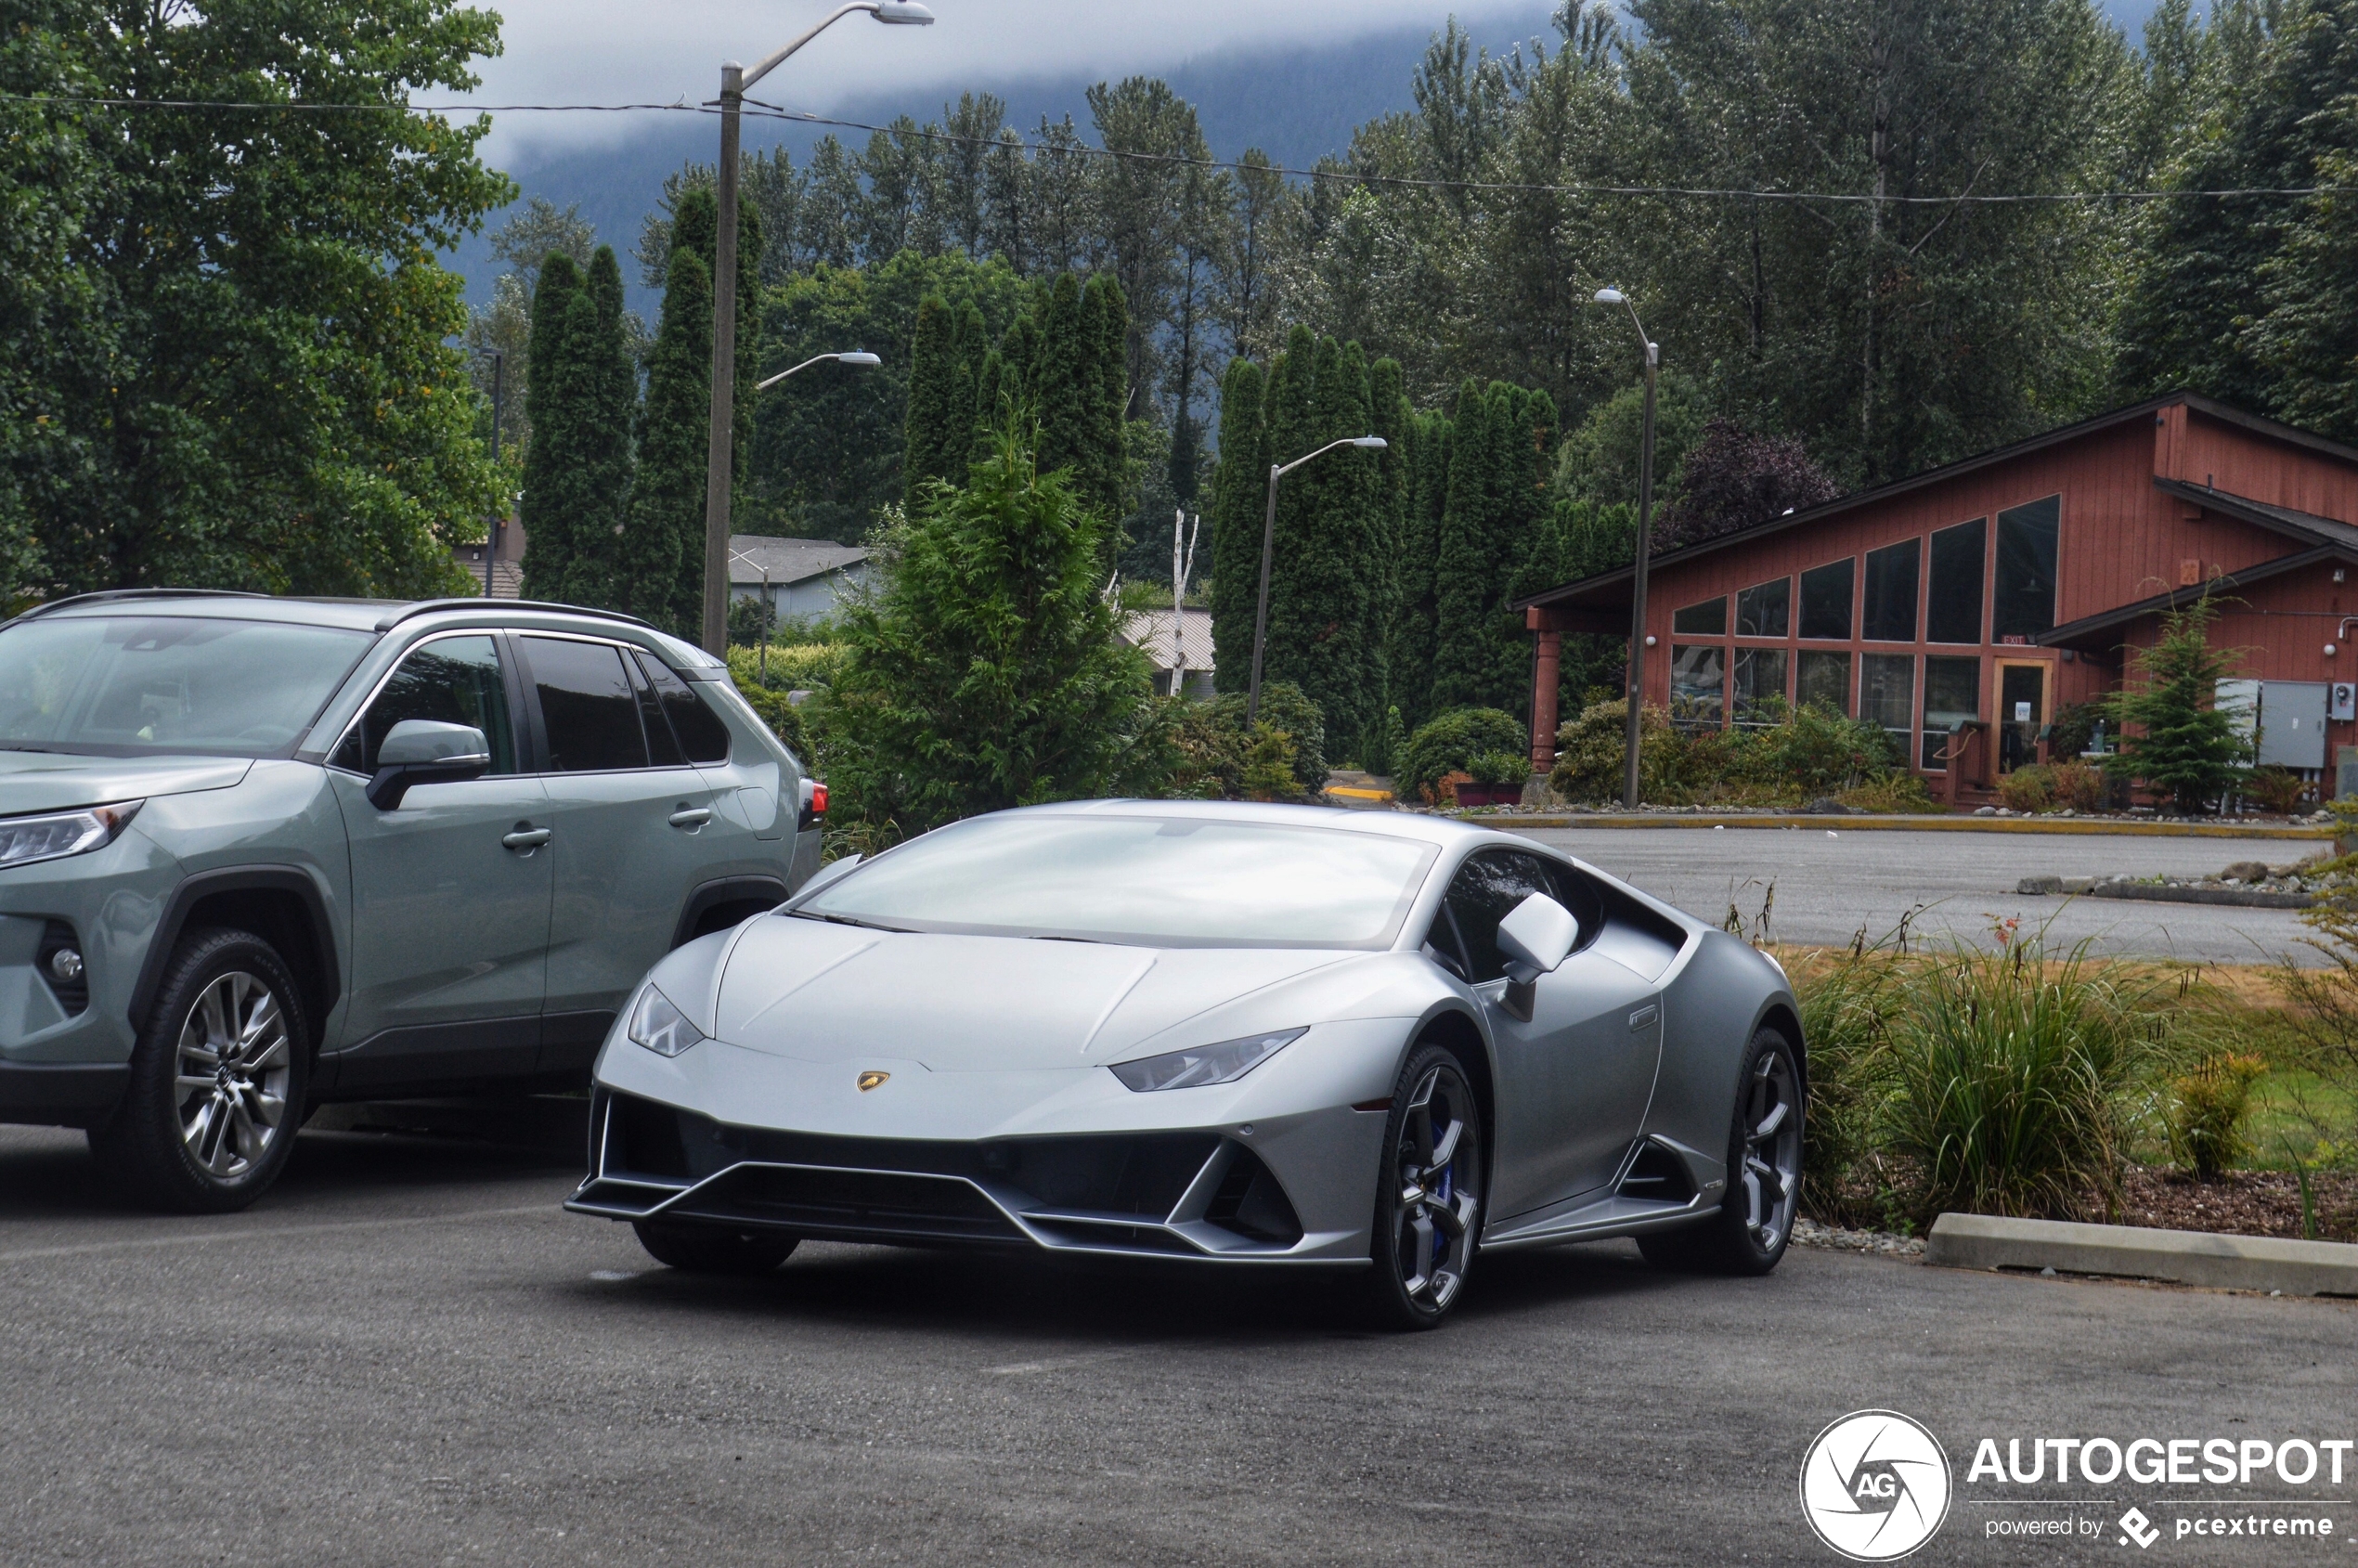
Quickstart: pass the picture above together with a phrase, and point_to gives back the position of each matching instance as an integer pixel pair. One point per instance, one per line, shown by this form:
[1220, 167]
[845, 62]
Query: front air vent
[60, 959]
[1251, 1203]
[1658, 1176]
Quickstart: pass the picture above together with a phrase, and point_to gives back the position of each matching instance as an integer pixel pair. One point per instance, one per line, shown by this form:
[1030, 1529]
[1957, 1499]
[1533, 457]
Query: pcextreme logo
[1874, 1485]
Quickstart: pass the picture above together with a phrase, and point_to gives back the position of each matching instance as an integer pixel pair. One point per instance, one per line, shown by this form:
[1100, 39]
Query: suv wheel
[218, 1080]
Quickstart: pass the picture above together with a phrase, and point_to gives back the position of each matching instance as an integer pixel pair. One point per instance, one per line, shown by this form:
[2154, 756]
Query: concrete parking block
[2178, 1257]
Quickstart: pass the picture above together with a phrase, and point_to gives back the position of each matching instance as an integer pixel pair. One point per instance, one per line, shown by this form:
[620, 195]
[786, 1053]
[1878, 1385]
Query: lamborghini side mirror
[1536, 935]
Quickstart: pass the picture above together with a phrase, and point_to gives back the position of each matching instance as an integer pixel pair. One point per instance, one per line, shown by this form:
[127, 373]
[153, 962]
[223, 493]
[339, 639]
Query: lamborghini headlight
[1200, 1065]
[659, 1026]
[26, 840]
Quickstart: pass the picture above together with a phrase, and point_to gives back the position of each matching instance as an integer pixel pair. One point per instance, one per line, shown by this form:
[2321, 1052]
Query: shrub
[2276, 789]
[769, 705]
[1448, 743]
[806, 665]
[1846, 1012]
[2186, 746]
[1590, 753]
[1283, 706]
[2206, 1114]
[2027, 789]
[2073, 730]
[2078, 786]
[1499, 768]
[2008, 1070]
[1269, 766]
[1815, 751]
[1381, 746]
[1897, 792]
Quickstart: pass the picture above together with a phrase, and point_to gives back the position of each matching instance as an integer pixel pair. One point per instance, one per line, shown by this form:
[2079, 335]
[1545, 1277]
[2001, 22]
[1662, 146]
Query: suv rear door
[637, 827]
[450, 890]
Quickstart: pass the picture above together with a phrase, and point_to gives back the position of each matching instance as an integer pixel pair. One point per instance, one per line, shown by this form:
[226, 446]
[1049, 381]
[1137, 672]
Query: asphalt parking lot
[407, 1355]
[1830, 882]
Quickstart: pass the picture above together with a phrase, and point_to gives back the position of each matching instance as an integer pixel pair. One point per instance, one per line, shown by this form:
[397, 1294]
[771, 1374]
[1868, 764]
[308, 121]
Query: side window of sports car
[1485, 891]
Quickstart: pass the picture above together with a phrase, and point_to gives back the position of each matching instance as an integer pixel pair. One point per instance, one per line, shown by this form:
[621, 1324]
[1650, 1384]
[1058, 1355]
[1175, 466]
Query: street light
[855, 357]
[1268, 543]
[1637, 685]
[721, 468]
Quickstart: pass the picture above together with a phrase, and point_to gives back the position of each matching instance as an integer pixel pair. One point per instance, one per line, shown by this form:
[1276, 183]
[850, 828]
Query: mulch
[2241, 1202]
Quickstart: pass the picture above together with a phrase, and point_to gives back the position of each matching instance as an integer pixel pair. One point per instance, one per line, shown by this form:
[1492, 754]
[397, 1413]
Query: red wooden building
[1961, 606]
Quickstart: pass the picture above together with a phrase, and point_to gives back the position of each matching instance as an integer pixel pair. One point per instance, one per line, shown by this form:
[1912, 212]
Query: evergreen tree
[1464, 563]
[2182, 742]
[1058, 379]
[1409, 644]
[607, 405]
[1390, 417]
[554, 489]
[933, 371]
[666, 505]
[1238, 496]
[1108, 482]
[695, 226]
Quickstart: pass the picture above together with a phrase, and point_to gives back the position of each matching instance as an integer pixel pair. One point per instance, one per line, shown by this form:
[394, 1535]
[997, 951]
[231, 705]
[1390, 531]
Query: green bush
[1448, 743]
[1813, 751]
[2008, 1071]
[769, 705]
[1807, 753]
[2206, 1113]
[1895, 792]
[1269, 766]
[1283, 706]
[2078, 785]
[1846, 1006]
[790, 667]
[1499, 768]
[2027, 789]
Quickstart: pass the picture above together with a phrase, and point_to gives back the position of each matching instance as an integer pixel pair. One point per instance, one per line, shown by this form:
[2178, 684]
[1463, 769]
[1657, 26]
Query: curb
[1906, 825]
[2169, 895]
[2176, 1257]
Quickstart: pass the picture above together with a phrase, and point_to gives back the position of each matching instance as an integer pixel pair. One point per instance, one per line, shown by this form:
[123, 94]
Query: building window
[2023, 603]
[1825, 679]
[1707, 620]
[1762, 611]
[1760, 687]
[1825, 602]
[1697, 685]
[1953, 609]
[1887, 696]
[1890, 614]
[1952, 696]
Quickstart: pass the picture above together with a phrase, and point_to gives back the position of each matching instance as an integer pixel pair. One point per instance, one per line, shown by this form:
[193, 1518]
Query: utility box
[2292, 724]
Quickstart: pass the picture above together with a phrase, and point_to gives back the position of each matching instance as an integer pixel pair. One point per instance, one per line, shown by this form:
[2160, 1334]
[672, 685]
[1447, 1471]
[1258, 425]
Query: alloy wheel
[1439, 1164]
[234, 1059]
[1771, 1174]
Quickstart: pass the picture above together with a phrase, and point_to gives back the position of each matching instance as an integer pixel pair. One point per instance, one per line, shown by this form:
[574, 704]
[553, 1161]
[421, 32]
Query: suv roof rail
[428, 606]
[113, 594]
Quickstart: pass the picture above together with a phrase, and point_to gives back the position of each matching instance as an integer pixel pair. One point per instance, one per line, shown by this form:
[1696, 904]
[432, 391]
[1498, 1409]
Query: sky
[632, 51]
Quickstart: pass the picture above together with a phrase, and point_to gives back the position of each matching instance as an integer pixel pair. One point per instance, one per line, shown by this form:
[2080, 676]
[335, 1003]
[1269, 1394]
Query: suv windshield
[144, 685]
[1144, 880]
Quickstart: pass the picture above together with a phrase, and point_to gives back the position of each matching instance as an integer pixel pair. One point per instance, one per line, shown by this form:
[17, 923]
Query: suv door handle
[692, 816]
[525, 839]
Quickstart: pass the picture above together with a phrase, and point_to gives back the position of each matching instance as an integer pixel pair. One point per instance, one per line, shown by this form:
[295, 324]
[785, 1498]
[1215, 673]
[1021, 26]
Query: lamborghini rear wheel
[1427, 1192]
[1749, 1233]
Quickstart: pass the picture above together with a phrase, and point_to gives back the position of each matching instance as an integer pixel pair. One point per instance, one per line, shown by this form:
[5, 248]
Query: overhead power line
[756, 109]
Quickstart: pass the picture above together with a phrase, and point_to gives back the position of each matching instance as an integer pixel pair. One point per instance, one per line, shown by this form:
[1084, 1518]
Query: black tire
[1429, 1187]
[219, 1079]
[693, 1249]
[1754, 1224]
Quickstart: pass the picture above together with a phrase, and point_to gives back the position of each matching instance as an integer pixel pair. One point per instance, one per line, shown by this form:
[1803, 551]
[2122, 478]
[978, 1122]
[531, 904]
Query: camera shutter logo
[1874, 1485]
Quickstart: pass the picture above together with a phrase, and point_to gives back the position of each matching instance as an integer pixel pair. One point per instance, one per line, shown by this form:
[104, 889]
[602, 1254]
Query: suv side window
[454, 679]
[702, 735]
[589, 707]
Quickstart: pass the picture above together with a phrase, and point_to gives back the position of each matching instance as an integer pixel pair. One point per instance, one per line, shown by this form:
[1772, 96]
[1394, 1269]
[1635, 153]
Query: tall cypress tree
[1389, 415]
[666, 505]
[1238, 496]
[1463, 568]
[1409, 647]
[933, 369]
[695, 225]
[1060, 377]
[1105, 331]
[555, 486]
[608, 405]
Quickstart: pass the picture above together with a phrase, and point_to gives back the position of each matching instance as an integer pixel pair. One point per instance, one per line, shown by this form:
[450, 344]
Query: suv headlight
[26, 840]
[1197, 1065]
[659, 1026]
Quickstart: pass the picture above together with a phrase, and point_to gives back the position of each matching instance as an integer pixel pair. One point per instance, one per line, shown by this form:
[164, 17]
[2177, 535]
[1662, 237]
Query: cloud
[629, 51]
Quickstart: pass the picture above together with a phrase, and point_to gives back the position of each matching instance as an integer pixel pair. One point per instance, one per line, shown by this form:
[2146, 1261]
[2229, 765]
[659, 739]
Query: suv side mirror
[420, 751]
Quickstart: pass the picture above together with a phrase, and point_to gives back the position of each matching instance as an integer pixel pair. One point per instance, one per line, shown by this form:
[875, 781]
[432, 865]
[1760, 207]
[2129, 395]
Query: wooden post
[1545, 674]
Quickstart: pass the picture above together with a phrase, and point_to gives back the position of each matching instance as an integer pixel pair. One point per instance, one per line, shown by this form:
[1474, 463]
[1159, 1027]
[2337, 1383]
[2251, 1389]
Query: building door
[2022, 713]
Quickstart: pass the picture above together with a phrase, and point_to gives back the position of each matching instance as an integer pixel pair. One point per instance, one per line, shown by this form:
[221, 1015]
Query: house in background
[1960, 607]
[1167, 642]
[506, 562]
[800, 579]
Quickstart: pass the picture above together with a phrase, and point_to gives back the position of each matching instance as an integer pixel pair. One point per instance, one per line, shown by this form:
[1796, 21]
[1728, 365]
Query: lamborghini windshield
[147, 685]
[1145, 880]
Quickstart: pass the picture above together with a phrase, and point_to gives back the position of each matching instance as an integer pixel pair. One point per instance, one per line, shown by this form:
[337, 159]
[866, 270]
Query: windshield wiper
[847, 920]
[50, 750]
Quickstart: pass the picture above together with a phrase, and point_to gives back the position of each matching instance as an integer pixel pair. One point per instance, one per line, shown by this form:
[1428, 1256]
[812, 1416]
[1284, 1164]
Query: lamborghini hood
[822, 992]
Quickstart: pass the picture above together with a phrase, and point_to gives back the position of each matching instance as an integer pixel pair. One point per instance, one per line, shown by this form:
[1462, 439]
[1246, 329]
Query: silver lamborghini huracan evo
[1260, 1036]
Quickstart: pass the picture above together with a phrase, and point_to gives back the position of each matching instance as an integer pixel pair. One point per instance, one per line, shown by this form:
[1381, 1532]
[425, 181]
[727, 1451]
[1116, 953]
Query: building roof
[1602, 586]
[2095, 634]
[788, 561]
[1151, 629]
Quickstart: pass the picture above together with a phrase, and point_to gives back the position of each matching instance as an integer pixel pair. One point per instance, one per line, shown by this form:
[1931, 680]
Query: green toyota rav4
[257, 854]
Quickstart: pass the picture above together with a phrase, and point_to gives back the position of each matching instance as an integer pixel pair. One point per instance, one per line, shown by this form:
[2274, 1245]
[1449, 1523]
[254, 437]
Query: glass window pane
[588, 704]
[1760, 686]
[1890, 613]
[2024, 603]
[1825, 680]
[1485, 892]
[1825, 602]
[1707, 620]
[1697, 685]
[1887, 694]
[1952, 696]
[663, 746]
[1762, 611]
[451, 681]
[1952, 612]
[702, 735]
